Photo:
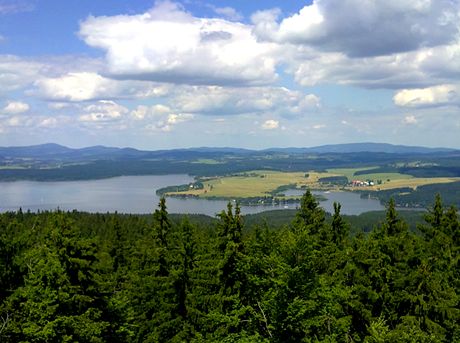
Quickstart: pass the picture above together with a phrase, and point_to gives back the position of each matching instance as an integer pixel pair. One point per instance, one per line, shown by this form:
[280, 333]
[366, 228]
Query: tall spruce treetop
[310, 215]
[161, 222]
[230, 245]
[393, 224]
[434, 217]
[339, 227]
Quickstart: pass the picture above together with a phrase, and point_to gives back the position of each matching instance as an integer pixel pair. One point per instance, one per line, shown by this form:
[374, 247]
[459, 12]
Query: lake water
[136, 194]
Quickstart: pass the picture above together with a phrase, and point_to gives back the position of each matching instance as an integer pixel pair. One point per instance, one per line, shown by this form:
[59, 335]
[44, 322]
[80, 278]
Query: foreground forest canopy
[77, 277]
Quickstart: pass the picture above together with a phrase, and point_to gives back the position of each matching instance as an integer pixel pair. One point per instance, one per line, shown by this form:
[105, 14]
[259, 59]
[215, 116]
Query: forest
[79, 277]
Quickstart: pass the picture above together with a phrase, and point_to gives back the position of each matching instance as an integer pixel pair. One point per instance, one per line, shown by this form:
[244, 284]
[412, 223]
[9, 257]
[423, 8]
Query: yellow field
[412, 183]
[254, 184]
[207, 161]
[261, 183]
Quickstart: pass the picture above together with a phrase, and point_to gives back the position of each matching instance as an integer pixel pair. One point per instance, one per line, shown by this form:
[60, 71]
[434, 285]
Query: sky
[252, 74]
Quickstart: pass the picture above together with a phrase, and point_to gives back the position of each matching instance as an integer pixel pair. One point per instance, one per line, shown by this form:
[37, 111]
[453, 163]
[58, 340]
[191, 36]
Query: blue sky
[248, 74]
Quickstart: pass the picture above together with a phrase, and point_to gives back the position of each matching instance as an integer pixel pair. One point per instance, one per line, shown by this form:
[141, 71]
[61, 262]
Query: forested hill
[54, 162]
[75, 277]
[59, 152]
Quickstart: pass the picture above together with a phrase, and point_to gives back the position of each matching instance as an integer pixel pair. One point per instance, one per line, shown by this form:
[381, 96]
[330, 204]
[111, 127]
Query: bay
[136, 194]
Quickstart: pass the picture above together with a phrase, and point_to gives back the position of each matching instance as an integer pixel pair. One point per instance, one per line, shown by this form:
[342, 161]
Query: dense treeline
[113, 162]
[74, 277]
[419, 197]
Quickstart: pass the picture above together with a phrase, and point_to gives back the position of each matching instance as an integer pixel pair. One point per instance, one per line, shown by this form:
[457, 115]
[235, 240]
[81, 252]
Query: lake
[136, 194]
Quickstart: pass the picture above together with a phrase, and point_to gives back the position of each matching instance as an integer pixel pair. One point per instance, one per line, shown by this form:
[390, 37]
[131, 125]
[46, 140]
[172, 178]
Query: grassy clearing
[207, 161]
[412, 183]
[12, 167]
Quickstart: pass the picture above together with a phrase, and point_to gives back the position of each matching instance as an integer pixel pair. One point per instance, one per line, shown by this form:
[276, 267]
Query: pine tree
[59, 300]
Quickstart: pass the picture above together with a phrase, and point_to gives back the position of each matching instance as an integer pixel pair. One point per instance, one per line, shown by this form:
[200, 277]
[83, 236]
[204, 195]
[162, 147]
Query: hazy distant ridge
[52, 150]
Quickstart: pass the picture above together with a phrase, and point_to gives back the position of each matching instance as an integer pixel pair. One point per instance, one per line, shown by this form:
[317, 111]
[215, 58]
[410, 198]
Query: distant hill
[364, 147]
[49, 149]
[55, 151]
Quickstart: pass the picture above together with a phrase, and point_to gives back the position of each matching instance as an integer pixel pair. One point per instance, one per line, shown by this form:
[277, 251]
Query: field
[265, 183]
[413, 183]
[207, 161]
[255, 184]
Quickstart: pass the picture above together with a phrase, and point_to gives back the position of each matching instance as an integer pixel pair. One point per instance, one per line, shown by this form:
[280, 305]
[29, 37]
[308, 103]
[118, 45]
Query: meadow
[263, 183]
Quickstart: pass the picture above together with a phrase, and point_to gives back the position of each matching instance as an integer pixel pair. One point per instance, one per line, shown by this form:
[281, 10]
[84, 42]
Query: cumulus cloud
[270, 124]
[103, 111]
[168, 44]
[421, 68]
[16, 107]
[160, 117]
[84, 86]
[142, 112]
[16, 73]
[215, 100]
[410, 119]
[49, 122]
[318, 126]
[364, 28]
[426, 97]
[167, 124]
[58, 105]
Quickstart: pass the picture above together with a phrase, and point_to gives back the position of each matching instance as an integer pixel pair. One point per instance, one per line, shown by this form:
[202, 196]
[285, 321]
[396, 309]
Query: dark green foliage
[420, 197]
[75, 277]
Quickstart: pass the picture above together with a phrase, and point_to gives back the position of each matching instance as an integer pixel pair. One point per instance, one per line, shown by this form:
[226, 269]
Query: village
[359, 183]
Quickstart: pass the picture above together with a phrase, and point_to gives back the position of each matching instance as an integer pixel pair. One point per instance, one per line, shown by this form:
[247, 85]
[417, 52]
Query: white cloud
[49, 122]
[310, 101]
[318, 126]
[15, 121]
[16, 107]
[432, 96]
[76, 87]
[169, 44]
[84, 86]
[17, 73]
[364, 28]
[215, 100]
[58, 105]
[421, 68]
[160, 117]
[171, 120]
[410, 119]
[178, 118]
[270, 124]
[103, 111]
[141, 112]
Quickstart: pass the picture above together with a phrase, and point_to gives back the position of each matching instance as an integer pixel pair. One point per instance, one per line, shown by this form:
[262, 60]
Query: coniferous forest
[78, 277]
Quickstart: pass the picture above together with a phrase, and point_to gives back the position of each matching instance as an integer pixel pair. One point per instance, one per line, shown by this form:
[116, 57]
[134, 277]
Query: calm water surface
[136, 194]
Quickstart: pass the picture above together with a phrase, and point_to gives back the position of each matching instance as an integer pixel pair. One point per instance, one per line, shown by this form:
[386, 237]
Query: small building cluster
[359, 183]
